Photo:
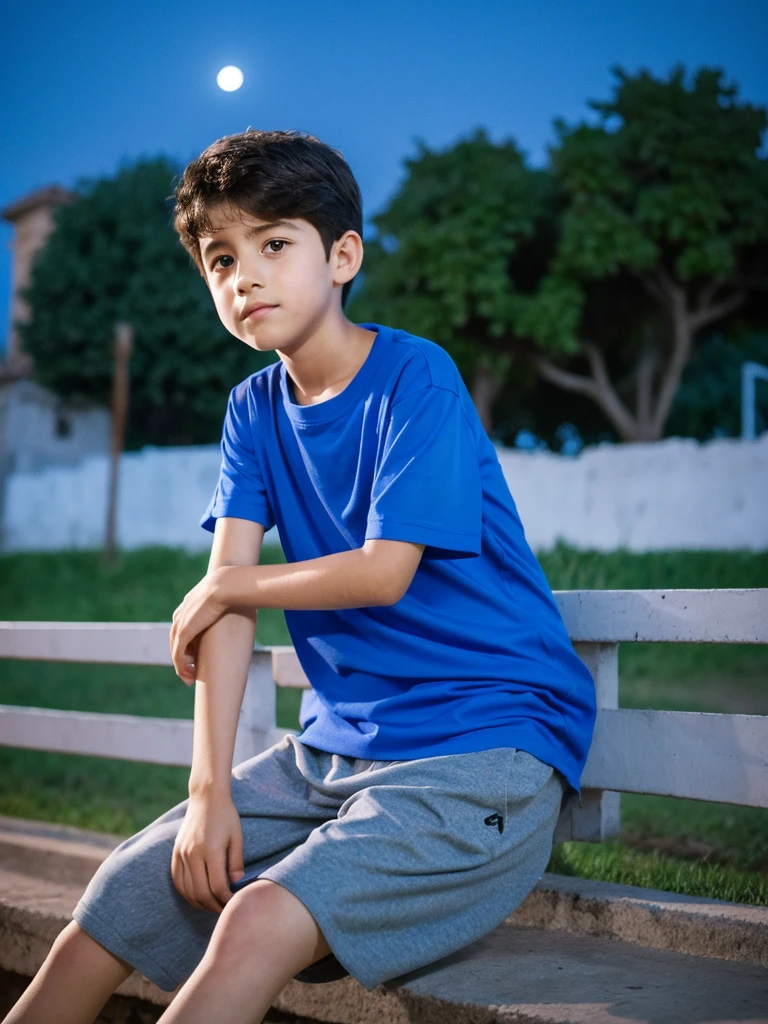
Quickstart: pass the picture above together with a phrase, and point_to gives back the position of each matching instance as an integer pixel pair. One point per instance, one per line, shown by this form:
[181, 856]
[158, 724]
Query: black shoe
[327, 969]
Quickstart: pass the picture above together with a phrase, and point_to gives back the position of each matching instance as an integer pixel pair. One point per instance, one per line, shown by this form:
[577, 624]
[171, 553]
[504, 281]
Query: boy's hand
[200, 609]
[208, 845]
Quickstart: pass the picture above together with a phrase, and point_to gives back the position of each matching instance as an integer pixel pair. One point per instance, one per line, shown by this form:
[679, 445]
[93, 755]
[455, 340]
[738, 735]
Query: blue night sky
[86, 87]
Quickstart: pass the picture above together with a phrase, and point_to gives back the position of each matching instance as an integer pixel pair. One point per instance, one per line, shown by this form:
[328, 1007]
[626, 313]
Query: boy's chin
[262, 345]
[254, 342]
[259, 346]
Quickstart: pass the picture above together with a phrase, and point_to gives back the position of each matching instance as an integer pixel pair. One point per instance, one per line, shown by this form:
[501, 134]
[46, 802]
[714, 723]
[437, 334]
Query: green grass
[686, 846]
[614, 861]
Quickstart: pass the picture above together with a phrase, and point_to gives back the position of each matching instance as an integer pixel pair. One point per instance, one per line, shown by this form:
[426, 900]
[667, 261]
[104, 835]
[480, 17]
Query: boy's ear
[347, 255]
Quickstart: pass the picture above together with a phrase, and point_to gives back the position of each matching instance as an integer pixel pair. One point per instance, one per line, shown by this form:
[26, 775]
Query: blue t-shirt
[475, 655]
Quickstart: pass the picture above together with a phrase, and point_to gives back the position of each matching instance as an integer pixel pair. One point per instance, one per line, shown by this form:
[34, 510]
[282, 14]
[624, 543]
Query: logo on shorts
[495, 819]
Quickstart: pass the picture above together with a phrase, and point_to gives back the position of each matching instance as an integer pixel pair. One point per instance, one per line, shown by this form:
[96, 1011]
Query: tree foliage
[668, 196]
[113, 255]
[467, 234]
[601, 271]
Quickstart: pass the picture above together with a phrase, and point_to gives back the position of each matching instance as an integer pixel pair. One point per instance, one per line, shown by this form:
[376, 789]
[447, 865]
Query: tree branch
[682, 334]
[707, 293]
[674, 292]
[645, 373]
[609, 401]
[702, 317]
[564, 379]
[597, 387]
[653, 288]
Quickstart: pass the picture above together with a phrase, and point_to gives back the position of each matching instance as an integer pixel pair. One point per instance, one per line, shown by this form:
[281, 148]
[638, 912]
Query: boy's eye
[280, 242]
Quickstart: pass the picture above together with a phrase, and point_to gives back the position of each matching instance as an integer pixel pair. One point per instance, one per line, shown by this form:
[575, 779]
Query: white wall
[28, 420]
[162, 493]
[675, 493]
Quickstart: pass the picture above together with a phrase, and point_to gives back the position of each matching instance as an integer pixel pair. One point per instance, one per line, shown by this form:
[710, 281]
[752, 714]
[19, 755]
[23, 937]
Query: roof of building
[51, 195]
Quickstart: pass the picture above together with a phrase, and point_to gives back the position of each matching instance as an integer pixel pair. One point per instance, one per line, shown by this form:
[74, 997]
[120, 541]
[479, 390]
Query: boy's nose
[245, 278]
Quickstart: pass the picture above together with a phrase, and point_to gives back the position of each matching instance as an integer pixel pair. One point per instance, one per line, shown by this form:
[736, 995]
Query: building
[38, 428]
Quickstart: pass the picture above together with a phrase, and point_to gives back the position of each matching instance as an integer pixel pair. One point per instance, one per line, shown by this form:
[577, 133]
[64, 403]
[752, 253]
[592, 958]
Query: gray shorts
[399, 862]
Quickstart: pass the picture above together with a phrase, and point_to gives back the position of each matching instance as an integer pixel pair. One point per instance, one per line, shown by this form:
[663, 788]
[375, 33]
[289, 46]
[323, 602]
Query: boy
[449, 712]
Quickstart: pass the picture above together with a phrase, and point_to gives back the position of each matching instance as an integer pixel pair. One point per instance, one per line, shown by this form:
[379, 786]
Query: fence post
[258, 722]
[599, 817]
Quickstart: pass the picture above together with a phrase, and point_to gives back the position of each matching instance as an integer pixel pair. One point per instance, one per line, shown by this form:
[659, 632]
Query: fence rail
[697, 755]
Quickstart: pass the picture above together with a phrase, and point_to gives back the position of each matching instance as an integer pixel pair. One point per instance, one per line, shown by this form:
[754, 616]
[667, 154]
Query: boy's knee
[268, 903]
[269, 910]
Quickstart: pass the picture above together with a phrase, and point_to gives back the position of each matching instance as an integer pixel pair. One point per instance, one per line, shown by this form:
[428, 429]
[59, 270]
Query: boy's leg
[75, 981]
[264, 936]
[131, 905]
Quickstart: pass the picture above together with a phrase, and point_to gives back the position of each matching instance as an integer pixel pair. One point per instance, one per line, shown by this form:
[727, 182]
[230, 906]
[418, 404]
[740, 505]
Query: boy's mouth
[256, 312]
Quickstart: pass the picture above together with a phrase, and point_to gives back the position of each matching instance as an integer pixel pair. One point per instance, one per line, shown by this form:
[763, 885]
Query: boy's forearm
[223, 659]
[347, 579]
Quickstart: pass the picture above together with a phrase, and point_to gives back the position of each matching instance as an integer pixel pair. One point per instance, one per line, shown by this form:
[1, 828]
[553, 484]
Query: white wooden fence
[701, 756]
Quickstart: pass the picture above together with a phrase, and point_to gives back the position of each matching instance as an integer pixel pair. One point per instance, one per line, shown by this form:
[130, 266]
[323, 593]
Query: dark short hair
[271, 175]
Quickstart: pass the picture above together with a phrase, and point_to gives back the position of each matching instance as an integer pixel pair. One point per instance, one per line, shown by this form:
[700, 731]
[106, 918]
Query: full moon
[229, 78]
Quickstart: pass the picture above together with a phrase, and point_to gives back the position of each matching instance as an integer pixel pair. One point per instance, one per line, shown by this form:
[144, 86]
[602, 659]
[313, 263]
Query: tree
[670, 199]
[469, 232]
[598, 273]
[113, 255]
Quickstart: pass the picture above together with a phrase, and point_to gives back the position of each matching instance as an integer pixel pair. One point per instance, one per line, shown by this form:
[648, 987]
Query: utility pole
[120, 379]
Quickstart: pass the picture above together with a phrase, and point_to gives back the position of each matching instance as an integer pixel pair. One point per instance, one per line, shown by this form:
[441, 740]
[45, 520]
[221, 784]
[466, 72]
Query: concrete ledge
[53, 851]
[521, 974]
[647, 917]
[555, 959]
[530, 976]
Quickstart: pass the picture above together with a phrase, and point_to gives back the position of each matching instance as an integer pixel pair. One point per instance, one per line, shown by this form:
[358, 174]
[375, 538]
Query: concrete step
[574, 951]
[536, 976]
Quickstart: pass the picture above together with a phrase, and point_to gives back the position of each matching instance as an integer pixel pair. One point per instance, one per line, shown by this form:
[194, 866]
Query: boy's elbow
[380, 591]
[392, 595]
[392, 565]
[399, 587]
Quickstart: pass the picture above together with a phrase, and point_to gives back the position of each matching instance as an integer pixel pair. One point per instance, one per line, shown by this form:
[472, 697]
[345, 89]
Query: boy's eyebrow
[212, 246]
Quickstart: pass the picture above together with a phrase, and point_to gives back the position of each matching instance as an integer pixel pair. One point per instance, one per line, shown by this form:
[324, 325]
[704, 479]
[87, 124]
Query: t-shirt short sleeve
[240, 490]
[427, 487]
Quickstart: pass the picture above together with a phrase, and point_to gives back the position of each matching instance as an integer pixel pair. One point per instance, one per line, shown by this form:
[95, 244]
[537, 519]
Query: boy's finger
[186, 888]
[201, 888]
[217, 879]
[235, 857]
[179, 659]
[177, 874]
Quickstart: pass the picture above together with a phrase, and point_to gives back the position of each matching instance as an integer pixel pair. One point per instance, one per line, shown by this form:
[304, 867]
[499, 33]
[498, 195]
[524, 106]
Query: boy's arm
[378, 573]
[223, 658]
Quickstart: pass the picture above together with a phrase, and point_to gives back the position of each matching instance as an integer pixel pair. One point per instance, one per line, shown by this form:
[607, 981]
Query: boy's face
[250, 262]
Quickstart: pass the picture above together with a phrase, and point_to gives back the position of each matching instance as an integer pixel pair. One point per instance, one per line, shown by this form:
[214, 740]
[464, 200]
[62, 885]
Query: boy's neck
[325, 363]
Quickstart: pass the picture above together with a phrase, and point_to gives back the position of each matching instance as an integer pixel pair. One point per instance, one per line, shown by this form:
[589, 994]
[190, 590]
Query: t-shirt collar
[321, 412]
